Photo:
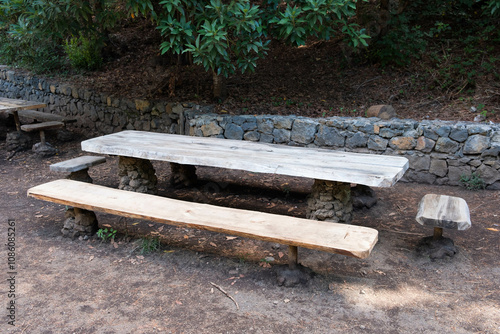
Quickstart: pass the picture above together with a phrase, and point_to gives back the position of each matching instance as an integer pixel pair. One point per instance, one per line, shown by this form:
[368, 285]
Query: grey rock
[233, 131]
[359, 139]
[281, 135]
[377, 143]
[476, 144]
[430, 133]
[266, 138]
[456, 172]
[425, 144]
[420, 163]
[328, 136]
[265, 126]
[488, 174]
[438, 167]
[459, 135]
[252, 136]
[282, 122]
[443, 131]
[303, 131]
[446, 145]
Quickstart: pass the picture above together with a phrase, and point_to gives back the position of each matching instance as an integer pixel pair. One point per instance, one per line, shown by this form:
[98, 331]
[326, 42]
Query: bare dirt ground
[89, 286]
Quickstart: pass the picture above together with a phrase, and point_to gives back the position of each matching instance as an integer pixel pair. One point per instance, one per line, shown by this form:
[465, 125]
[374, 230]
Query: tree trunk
[219, 86]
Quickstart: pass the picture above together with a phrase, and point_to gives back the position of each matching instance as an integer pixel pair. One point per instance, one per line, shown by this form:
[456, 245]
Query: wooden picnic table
[333, 171]
[12, 106]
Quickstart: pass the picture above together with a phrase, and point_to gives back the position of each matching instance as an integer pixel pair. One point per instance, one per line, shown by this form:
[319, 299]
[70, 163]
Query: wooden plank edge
[357, 254]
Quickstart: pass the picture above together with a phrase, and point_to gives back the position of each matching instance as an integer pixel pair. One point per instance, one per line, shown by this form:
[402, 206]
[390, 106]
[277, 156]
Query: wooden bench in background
[44, 117]
[345, 239]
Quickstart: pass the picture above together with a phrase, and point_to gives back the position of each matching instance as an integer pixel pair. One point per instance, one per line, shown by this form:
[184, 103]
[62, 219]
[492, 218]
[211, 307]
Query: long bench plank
[43, 116]
[368, 169]
[351, 240]
[42, 126]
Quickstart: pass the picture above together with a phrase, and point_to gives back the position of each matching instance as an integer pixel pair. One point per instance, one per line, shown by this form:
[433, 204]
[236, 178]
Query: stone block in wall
[495, 138]
[389, 133]
[142, 105]
[359, 139]
[493, 152]
[377, 143]
[328, 136]
[266, 138]
[282, 122]
[304, 131]
[443, 131]
[265, 126]
[419, 162]
[250, 124]
[402, 143]
[420, 177]
[233, 131]
[446, 145]
[65, 90]
[252, 136]
[281, 135]
[425, 144]
[488, 174]
[438, 167]
[459, 135]
[456, 172]
[211, 129]
[430, 133]
[476, 144]
[479, 130]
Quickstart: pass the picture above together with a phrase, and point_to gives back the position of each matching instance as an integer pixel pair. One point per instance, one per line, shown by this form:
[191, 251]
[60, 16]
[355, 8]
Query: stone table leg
[137, 175]
[182, 175]
[330, 201]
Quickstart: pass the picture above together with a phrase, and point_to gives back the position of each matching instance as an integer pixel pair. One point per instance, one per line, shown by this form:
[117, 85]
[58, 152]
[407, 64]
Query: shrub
[84, 53]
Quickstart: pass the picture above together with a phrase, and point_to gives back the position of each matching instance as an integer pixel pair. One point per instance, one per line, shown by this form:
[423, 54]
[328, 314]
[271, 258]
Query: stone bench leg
[79, 222]
[137, 175]
[182, 175]
[330, 201]
[81, 175]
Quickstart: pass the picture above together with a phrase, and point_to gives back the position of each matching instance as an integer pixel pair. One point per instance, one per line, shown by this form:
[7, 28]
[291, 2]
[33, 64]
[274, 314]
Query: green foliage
[425, 26]
[323, 19]
[149, 245]
[84, 53]
[472, 182]
[33, 32]
[221, 37]
[106, 234]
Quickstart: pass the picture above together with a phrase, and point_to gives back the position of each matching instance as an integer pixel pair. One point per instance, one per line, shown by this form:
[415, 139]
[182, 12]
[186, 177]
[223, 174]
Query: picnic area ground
[90, 286]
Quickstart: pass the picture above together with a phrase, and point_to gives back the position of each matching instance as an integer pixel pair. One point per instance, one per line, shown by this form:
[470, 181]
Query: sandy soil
[89, 286]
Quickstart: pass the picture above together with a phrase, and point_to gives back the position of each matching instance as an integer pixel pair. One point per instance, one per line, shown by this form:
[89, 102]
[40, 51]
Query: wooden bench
[43, 116]
[41, 127]
[78, 167]
[350, 240]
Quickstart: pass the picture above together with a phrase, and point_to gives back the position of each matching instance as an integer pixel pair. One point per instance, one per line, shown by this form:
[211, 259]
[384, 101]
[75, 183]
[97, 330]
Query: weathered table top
[10, 105]
[368, 169]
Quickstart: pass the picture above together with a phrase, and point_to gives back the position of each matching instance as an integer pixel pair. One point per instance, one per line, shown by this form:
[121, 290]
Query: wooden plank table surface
[12, 106]
[323, 164]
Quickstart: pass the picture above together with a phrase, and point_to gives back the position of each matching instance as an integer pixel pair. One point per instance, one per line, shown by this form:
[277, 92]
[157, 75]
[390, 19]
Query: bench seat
[42, 126]
[43, 116]
[350, 240]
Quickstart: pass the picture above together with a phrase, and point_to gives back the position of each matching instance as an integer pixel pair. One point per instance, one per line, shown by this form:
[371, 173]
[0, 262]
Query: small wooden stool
[78, 167]
[443, 211]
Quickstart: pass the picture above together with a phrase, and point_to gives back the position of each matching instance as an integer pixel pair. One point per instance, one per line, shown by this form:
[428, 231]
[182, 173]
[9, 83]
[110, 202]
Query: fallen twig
[227, 295]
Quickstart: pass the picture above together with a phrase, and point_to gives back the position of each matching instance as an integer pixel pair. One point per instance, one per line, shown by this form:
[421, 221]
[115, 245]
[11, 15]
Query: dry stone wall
[439, 152]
